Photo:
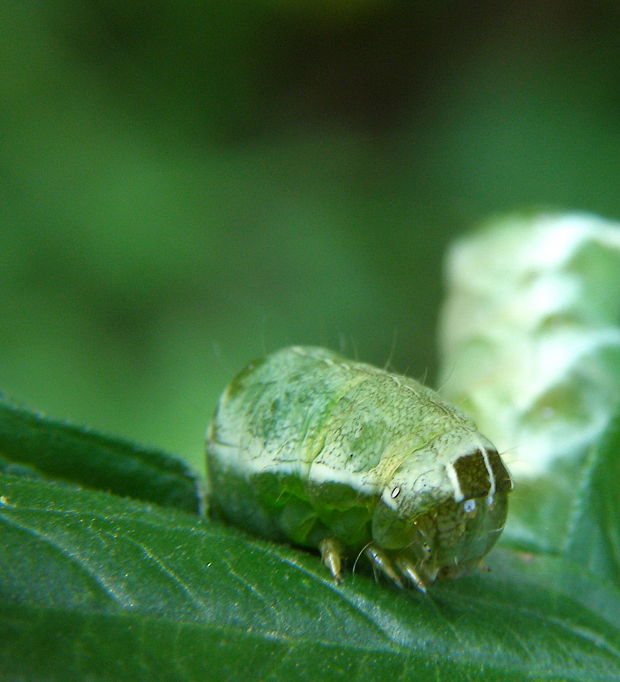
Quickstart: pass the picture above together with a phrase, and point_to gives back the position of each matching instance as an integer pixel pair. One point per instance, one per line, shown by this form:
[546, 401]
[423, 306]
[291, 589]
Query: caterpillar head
[445, 508]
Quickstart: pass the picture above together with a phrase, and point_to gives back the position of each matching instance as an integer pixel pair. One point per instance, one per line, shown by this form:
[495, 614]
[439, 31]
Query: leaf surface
[34, 446]
[594, 535]
[93, 586]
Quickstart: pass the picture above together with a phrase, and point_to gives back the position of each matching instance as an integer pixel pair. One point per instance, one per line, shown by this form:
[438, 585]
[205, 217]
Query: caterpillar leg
[382, 561]
[331, 553]
[411, 571]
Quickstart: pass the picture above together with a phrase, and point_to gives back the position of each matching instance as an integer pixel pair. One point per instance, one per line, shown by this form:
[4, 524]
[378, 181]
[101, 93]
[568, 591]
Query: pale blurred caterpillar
[530, 335]
[530, 341]
[308, 447]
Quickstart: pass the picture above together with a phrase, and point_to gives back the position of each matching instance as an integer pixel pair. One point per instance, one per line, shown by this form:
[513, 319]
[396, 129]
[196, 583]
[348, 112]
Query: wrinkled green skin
[308, 447]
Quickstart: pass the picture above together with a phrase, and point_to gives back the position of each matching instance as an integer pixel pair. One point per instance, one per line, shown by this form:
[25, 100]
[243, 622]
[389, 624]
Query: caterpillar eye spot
[469, 506]
[395, 493]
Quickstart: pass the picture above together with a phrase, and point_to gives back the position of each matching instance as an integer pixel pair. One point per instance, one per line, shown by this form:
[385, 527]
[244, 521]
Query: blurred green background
[186, 185]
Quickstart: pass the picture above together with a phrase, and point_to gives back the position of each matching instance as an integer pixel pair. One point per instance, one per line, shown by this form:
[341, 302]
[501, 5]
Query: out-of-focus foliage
[187, 185]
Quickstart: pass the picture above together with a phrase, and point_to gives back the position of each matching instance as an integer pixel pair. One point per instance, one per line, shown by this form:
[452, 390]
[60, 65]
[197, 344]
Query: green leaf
[32, 445]
[93, 586]
[541, 509]
[594, 537]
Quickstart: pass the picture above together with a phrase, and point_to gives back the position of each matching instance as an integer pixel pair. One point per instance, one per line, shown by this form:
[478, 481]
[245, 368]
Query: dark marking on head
[473, 474]
[503, 481]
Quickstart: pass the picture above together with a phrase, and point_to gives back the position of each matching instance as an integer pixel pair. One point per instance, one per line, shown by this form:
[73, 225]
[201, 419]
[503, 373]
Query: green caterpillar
[310, 448]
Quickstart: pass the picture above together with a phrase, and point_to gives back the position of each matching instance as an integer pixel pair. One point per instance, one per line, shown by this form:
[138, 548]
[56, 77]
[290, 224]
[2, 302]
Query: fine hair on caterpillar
[349, 459]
